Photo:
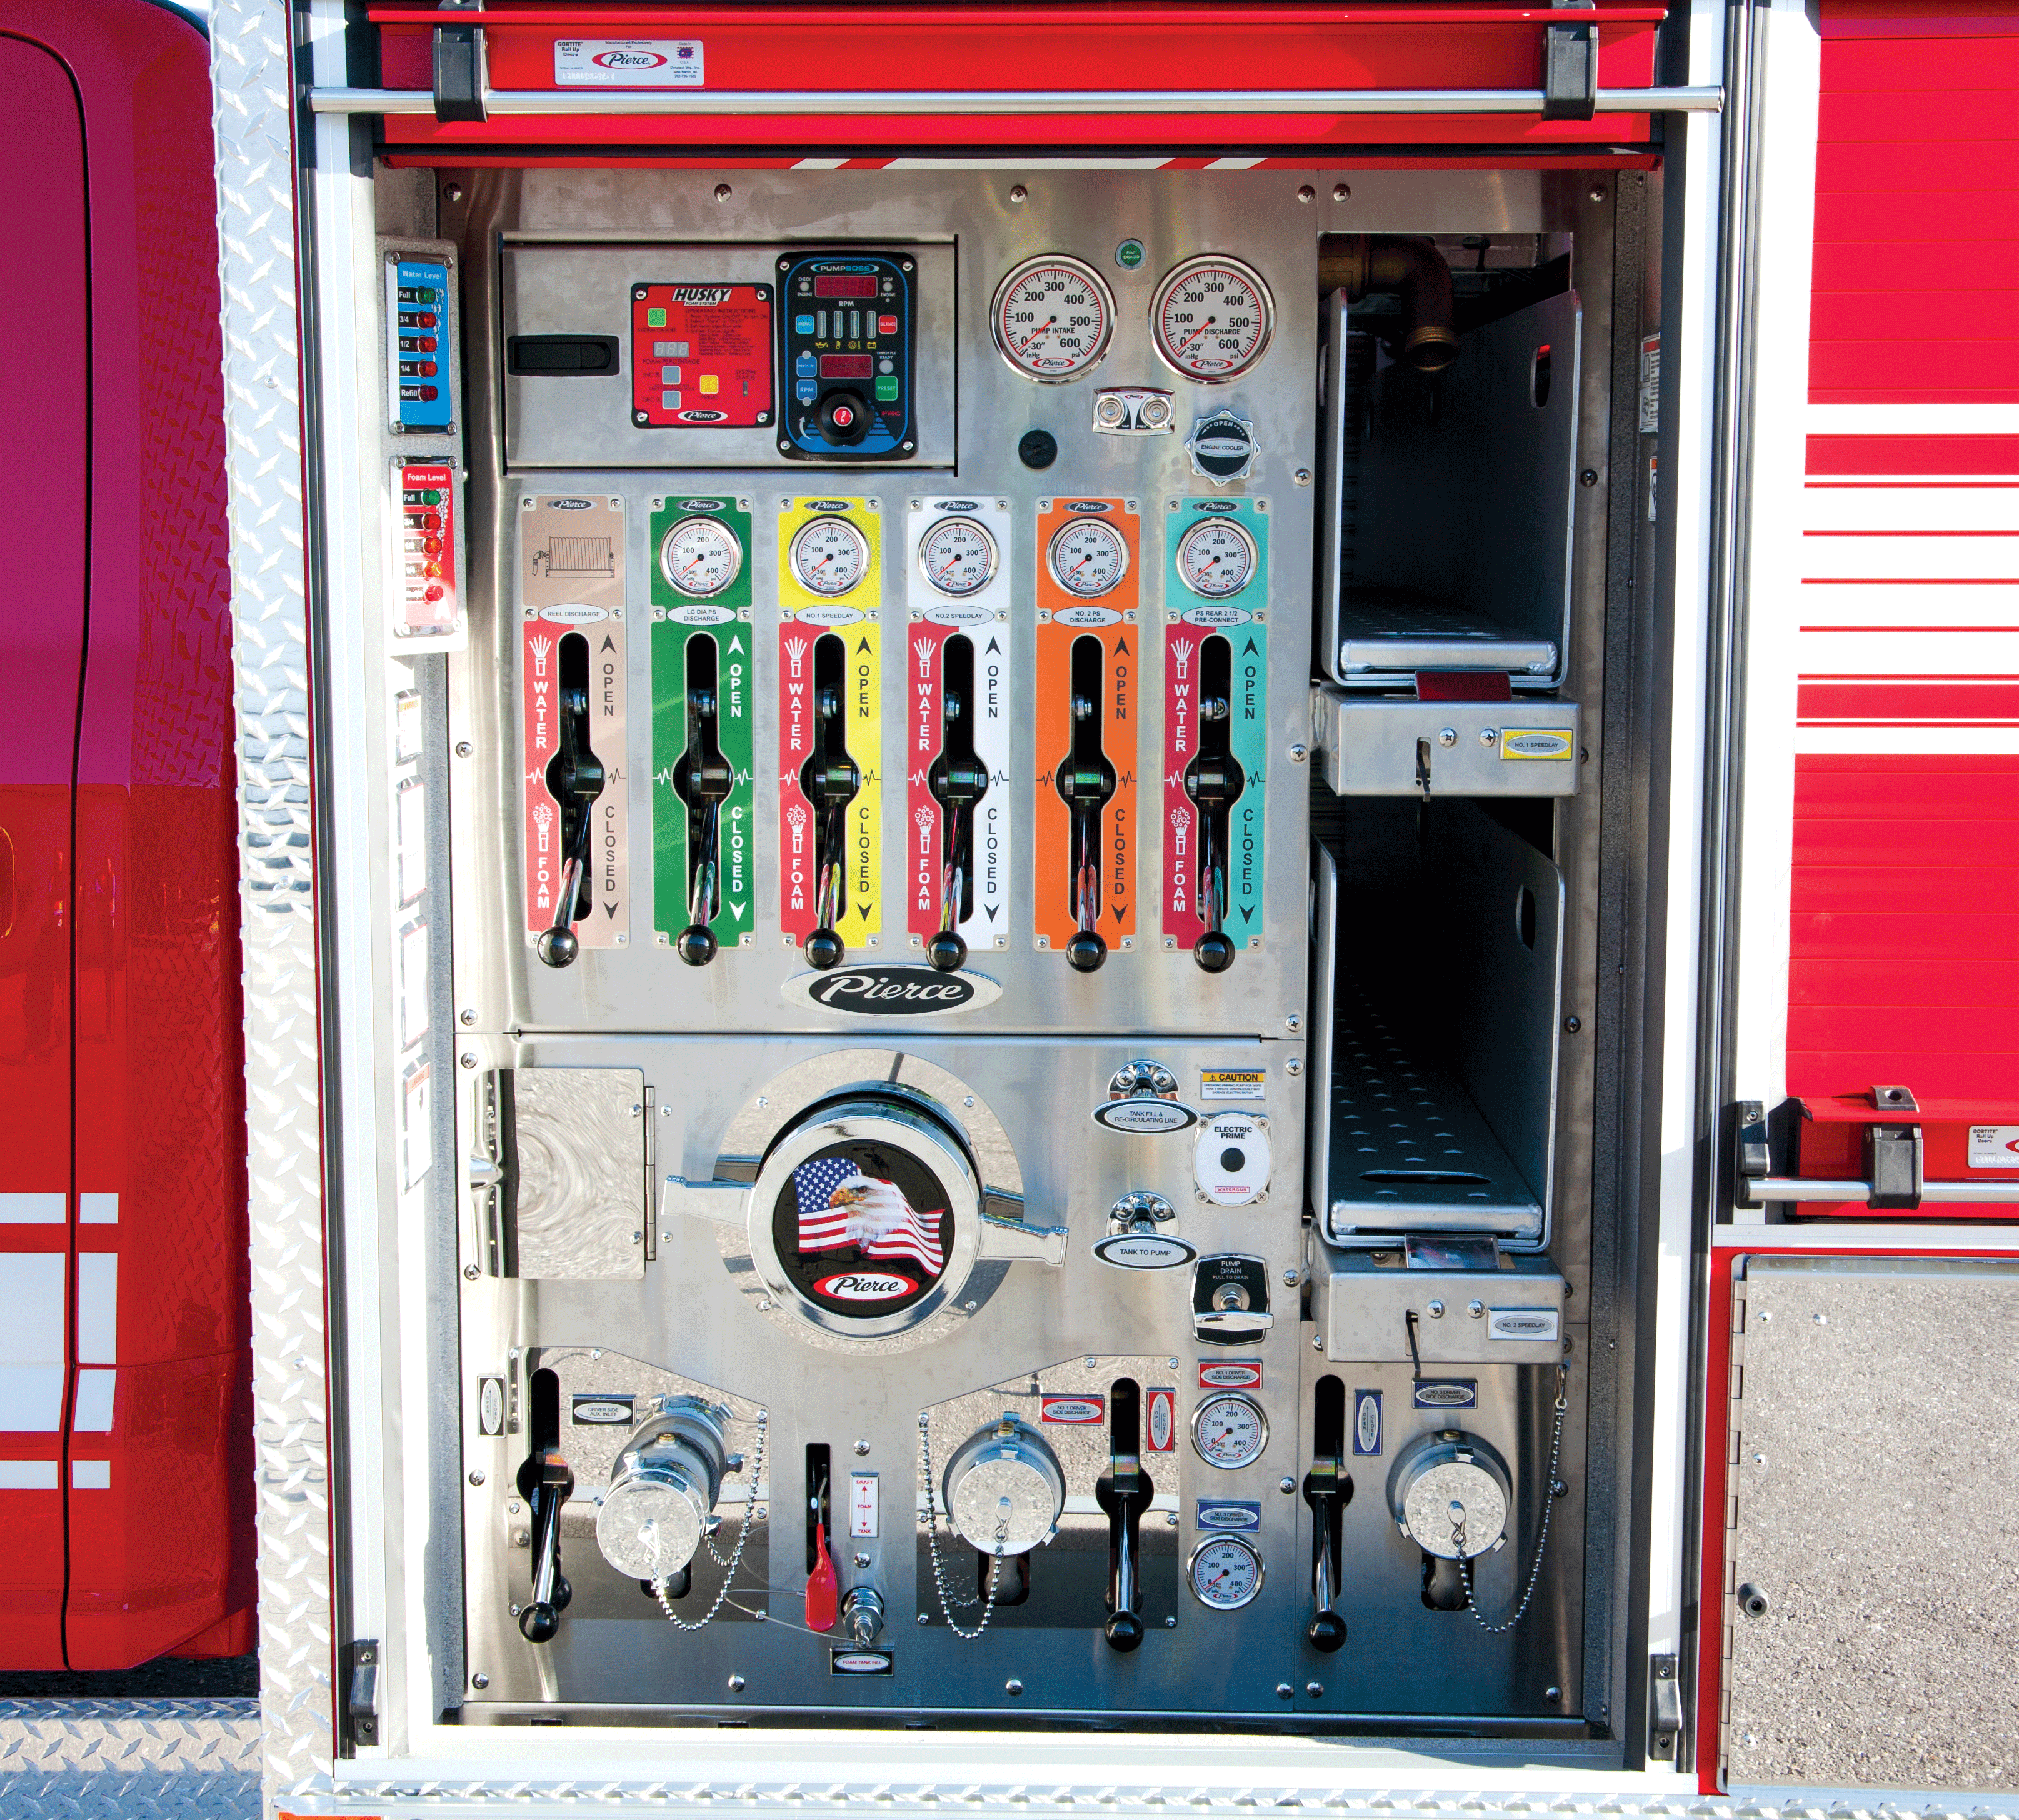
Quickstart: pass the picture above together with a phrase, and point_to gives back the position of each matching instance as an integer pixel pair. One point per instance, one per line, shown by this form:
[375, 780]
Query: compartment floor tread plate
[1409, 1150]
[1389, 630]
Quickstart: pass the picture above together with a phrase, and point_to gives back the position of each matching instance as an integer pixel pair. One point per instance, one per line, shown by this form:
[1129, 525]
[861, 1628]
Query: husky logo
[698, 296]
[864, 1286]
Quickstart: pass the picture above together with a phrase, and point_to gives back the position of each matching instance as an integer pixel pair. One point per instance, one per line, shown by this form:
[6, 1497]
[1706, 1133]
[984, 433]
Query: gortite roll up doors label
[830, 556]
[957, 711]
[572, 666]
[1088, 566]
[704, 695]
[1216, 706]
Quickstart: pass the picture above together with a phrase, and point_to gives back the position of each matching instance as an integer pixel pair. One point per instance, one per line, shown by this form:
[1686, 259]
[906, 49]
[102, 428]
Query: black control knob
[946, 951]
[695, 944]
[1124, 1632]
[1214, 951]
[1086, 952]
[557, 947]
[822, 949]
[843, 418]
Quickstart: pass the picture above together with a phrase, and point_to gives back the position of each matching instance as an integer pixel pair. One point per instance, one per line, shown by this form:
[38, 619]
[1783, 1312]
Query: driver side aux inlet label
[571, 662]
[830, 654]
[1216, 652]
[1110, 662]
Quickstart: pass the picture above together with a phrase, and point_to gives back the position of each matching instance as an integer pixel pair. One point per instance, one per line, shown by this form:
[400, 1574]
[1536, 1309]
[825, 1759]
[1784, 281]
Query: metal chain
[736, 1555]
[1543, 1538]
[946, 1604]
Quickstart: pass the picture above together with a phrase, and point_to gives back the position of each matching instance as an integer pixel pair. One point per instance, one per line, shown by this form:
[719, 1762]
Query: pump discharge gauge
[1212, 319]
[1230, 1431]
[829, 555]
[1224, 1573]
[958, 557]
[1088, 557]
[1217, 558]
[700, 556]
[1052, 318]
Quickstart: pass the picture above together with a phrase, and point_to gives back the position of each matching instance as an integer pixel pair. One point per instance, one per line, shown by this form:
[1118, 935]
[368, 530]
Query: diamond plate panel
[130, 1759]
[249, 64]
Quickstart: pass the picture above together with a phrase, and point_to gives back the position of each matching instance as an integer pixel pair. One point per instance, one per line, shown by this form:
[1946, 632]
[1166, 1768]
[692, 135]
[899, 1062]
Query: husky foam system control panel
[1008, 1099]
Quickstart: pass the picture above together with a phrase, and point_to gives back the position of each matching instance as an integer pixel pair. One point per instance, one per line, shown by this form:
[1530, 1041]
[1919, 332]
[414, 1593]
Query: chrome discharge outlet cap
[1005, 1476]
[663, 1491]
[1446, 1484]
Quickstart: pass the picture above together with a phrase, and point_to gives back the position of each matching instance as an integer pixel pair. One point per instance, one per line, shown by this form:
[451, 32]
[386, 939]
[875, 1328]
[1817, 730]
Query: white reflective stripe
[31, 1296]
[1908, 653]
[31, 1209]
[1824, 604]
[28, 1475]
[1945, 556]
[1912, 420]
[1232, 164]
[818, 164]
[31, 1398]
[1953, 742]
[92, 1412]
[98, 1210]
[1828, 505]
[91, 1475]
[97, 1307]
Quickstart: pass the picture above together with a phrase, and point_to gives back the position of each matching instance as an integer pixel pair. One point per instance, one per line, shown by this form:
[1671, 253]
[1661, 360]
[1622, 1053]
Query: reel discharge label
[571, 579]
[702, 639]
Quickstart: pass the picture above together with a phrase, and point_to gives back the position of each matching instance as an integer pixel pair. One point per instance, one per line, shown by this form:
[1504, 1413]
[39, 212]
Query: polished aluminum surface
[581, 1156]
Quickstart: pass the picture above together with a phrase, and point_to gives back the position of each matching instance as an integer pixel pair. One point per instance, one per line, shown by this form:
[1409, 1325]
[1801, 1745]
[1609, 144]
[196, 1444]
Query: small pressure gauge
[1230, 1431]
[700, 556]
[958, 557]
[1217, 558]
[1224, 1573]
[1088, 557]
[829, 555]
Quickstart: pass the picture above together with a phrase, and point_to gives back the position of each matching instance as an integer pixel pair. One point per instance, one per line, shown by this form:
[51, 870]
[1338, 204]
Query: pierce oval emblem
[893, 989]
[864, 1285]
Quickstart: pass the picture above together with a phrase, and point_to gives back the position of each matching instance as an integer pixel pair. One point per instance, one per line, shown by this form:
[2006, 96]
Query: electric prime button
[1231, 1165]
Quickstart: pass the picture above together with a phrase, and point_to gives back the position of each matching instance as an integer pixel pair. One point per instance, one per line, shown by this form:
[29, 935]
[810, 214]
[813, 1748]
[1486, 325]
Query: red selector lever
[822, 1605]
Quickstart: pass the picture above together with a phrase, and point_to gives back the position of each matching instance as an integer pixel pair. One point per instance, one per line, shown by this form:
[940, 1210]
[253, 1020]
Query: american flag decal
[839, 1206]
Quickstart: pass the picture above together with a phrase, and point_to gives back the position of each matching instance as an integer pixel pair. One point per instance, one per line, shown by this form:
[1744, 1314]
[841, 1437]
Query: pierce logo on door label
[1223, 1513]
[1518, 742]
[1366, 1421]
[1446, 1393]
[634, 62]
[1160, 1421]
[864, 1285]
[1230, 1374]
[1064, 1408]
[1522, 1323]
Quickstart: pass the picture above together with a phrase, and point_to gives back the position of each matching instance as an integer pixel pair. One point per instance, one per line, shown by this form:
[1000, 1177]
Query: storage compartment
[1437, 983]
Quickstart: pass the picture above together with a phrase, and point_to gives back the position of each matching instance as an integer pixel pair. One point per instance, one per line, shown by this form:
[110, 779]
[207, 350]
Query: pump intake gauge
[1211, 318]
[1230, 1431]
[1217, 558]
[700, 556]
[829, 555]
[1051, 319]
[1087, 557]
[958, 557]
[1224, 1573]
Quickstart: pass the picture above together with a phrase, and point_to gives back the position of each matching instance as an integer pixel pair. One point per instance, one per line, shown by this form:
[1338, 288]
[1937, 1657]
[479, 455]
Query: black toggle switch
[831, 779]
[1124, 1492]
[958, 780]
[1214, 781]
[1327, 1491]
[702, 780]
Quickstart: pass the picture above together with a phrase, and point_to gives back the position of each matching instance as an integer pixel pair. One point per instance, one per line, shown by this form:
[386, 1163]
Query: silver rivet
[969, 1100]
[1170, 1623]
[477, 1477]
[862, 1561]
[468, 1059]
[1013, 1686]
[1293, 1066]
[1289, 1279]
[469, 1017]
[1091, 1361]
[1448, 736]
[1170, 1365]
[1476, 1310]
[464, 749]
[1437, 1309]
[1286, 1691]
[736, 1683]
[1598, 192]
[470, 1271]
[1298, 754]
[481, 1680]
[1301, 476]
[451, 192]
[1306, 193]
[512, 1507]
[1315, 1689]
[862, 1447]
[1294, 1023]
[1486, 737]
[1286, 1485]
[722, 192]
[1553, 1694]
[1170, 1519]
[666, 1238]
[925, 1618]
[523, 1537]
[1341, 193]
[1018, 192]
[1759, 1460]
[1318, 1343]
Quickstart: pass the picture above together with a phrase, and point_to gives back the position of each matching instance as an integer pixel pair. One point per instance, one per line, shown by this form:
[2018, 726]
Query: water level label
[830, 720]
[701, 355]
[572, 689]
[704, 679]
[1215, 718]
[957, 672]
[1085, 719]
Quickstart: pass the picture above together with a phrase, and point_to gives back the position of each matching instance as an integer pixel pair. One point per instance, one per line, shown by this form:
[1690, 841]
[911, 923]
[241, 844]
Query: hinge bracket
[1570, 66]
[1664, 1708]
[461, 70]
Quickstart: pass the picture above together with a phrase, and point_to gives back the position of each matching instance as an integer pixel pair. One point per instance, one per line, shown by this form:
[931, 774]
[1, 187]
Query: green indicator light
[1129, 255]
[431, 497]
[655, 319]
[427, 296]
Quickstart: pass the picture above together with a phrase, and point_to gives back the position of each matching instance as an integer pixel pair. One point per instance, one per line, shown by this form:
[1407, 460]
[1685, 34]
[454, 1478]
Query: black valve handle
[958, 780]
[547, 1481]
[1327, 1491]
[1086, 781]
[702, 779]
[575, 777]
[831, 779]
[1214, 780]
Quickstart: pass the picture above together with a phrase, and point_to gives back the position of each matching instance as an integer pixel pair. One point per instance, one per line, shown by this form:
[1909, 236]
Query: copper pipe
[1359, 264]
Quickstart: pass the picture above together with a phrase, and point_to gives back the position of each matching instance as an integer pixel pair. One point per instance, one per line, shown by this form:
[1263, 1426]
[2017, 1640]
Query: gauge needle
[1195, 334]
[950, 561]
[1049, 323]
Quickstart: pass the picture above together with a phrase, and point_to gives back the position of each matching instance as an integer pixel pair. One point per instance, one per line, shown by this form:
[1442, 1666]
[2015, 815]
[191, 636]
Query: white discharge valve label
[1994, 1146]
[627, 63]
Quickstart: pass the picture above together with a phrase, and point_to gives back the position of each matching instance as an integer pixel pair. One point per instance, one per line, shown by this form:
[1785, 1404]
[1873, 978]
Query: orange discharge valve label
[1086, 718]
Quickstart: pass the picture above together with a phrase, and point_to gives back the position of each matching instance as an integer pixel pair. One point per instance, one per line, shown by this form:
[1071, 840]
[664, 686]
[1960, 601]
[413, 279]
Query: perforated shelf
[1385, 632]
[1409, 1151]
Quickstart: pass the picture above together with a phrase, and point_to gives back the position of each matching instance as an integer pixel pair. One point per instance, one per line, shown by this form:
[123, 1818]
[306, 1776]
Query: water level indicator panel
[417, 353]
[704, 682]
[830, 557]
[957, 709]
[1216, 719]
[1089, 661]
[572, 686]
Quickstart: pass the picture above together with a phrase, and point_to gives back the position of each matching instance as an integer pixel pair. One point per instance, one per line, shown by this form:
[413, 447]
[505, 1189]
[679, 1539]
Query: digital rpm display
[862, 1230]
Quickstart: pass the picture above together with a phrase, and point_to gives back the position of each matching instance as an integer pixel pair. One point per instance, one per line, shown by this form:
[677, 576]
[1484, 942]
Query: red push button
[886, 325]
